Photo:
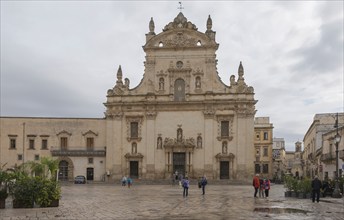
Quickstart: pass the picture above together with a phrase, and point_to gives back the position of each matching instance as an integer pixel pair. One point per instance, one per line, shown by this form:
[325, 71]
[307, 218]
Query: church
[180, 118]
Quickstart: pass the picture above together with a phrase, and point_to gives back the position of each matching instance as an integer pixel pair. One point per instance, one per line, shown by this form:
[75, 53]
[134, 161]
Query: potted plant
[54, 193]
[3, 197]
[289, 184]
[23, 192]
[4, 178]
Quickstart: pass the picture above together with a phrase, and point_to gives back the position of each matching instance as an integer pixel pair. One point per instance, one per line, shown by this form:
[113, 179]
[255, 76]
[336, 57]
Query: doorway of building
[63, 170]
[179, 163]
[134, 169]
[224, 169]
[89, 173]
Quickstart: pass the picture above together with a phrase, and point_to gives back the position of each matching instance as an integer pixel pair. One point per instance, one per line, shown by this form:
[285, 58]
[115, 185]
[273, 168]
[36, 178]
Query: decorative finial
[119, 74]
[180, 6]
[240, 71]
[151, 25]
[209, 23]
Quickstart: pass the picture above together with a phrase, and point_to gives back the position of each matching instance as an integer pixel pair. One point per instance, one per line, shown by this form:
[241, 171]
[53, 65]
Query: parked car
[80, 179]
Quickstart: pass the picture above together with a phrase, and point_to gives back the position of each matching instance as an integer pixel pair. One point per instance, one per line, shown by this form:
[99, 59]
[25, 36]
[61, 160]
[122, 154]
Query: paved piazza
[105, 201]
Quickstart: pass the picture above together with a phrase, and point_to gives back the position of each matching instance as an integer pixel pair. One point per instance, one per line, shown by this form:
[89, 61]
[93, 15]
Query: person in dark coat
[204, 182]
[316, 186]
[185, 184]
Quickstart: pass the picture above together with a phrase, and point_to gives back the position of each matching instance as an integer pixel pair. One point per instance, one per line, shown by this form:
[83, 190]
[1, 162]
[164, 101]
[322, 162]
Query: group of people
[261, 185]
[127, 181]
[185, 183]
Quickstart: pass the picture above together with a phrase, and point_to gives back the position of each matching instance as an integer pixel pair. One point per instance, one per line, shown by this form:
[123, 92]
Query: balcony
[79, 152]
[328, 157]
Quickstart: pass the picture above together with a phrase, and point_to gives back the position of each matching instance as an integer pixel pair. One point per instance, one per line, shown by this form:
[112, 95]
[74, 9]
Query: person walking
[316, 186]
[256, 184]
[185, 184]
[124, 180]
[267, 187]
[261, 188]
[204, 182]
[129, 182]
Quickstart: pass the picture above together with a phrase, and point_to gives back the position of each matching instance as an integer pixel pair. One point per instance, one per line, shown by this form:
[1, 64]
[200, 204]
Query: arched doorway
[63, 170]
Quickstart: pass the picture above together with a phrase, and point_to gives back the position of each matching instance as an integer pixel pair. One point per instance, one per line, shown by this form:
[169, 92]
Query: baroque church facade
[180, 118]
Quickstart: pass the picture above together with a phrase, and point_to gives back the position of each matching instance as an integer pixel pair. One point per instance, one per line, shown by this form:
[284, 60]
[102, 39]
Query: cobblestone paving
[104, 201]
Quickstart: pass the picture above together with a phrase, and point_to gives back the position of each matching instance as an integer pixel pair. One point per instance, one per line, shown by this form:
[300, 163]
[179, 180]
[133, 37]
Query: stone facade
[313, 141]
[180, 118]
[278, 159]
[263, 143]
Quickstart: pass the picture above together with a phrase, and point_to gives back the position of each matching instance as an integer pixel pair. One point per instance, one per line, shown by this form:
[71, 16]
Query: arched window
[179, 90]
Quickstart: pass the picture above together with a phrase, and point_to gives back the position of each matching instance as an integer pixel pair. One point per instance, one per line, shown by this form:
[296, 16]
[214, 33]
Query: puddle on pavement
[280, 210]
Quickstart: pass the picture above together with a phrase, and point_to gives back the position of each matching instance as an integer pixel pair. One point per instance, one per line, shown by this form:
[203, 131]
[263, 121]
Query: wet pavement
[104, 201]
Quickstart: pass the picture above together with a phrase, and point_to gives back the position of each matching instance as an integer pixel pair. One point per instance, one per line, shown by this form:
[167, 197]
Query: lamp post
[336, 191]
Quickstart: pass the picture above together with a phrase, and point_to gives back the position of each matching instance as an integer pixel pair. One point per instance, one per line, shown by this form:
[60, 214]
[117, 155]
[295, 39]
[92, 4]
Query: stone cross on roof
[180, 6]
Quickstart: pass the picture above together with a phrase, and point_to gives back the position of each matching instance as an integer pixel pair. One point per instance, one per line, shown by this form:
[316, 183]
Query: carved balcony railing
[79, 152]
[328, 157]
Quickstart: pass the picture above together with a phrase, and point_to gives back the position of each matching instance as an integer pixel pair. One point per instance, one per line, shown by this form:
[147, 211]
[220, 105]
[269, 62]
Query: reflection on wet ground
[280, 210]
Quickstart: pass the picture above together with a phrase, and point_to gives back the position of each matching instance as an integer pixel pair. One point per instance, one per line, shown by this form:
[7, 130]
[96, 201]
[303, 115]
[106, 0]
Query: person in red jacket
[256, 184]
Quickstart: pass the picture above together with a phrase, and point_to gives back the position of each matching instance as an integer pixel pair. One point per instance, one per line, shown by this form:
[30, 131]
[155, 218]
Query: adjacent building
[263, 143]
[314, 141]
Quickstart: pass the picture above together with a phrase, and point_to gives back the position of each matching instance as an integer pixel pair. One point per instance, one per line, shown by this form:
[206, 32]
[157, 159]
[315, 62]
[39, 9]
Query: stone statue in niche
[179, 135]
[224, 147]
[159, 143]
[198, 82]
[161, 84]
[199, 142]
[134, 148]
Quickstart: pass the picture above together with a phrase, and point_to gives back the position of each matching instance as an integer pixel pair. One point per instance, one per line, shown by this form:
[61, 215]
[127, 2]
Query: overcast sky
[59, 58]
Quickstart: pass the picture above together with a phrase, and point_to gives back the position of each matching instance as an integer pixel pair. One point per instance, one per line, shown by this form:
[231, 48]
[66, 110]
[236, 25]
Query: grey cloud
[324, 56]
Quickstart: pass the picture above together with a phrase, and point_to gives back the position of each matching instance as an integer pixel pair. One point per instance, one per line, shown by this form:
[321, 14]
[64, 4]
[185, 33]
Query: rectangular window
[257, 168]
[265, 168]
[31, 144]
[266, 135]
[224, 128]
[265, 152]
[64, 143]
[89, 143]
[90, 160]
[12, 143]
[36, 156]
[20, 157]
[134, 129]
[44, 144]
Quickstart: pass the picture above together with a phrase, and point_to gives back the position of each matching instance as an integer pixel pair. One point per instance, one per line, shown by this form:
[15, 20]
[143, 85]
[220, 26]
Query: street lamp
[336, 191]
